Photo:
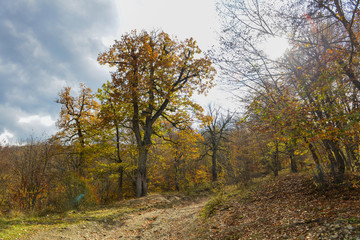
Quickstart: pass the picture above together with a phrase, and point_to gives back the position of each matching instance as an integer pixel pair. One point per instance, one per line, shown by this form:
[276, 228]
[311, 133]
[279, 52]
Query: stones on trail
[336, 230]
[285, 236]
[350, 227]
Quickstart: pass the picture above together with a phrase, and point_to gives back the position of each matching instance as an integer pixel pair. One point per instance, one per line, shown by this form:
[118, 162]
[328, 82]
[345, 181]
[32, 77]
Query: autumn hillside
[288, 207]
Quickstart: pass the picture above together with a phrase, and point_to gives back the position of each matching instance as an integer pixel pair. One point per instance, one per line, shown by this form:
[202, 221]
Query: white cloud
[6, 137]
[42, 120]
[187, 18]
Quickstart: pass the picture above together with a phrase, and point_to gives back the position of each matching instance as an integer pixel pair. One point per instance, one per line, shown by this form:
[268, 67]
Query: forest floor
[287, 207]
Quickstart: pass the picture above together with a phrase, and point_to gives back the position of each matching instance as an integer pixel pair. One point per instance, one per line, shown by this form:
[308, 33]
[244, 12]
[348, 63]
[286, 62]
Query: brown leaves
[289, 208]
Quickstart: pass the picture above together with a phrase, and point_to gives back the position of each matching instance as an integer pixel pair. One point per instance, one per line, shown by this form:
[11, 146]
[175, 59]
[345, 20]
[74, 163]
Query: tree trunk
[349, 158]
[320, 173]
[340, 167]
[141, 183]
[337, 160]
[120, 183]
[340, 162]
[294, 168]
[119, 160]
[293, 163]
[331, 158]
[177, 188]
[80, 165]
[276, 166]
[213, 167]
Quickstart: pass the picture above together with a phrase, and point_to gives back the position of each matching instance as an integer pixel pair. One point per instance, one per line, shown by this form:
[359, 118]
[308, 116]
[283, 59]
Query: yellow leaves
[153, 68]
[206, 120]
[300, 153]
[78, 114]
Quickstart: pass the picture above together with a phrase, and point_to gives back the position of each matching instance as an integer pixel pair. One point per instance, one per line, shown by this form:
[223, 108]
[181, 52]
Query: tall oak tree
[155, 78]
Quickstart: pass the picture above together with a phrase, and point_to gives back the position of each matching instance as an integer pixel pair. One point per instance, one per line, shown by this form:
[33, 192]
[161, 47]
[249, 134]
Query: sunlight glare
[275, 47]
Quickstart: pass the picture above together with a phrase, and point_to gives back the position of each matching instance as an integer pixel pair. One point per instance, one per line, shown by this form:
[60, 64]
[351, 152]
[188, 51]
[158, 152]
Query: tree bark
[294, 168]
[141, 183]
[320, 173]
[119, 160]
[337, 160]
[213, 167]
[120, 182]
[276, 166]
[80, 165]
[177, 187]
[340, 162]
[291, 153]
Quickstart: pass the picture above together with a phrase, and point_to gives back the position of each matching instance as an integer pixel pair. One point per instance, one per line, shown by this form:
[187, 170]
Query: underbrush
[213, 204]
[223, 196]
[203, 189]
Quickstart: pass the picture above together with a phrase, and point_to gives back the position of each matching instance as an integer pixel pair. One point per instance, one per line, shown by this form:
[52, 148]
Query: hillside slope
[288, 207]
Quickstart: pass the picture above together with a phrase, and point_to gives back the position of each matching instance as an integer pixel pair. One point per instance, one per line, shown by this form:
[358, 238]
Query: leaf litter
[288, 207]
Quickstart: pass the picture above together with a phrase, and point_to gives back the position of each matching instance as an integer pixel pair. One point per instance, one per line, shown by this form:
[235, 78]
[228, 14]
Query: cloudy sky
[49, 44]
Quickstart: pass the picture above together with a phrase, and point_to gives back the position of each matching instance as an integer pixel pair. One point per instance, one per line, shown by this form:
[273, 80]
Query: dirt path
[174, 222]
[171, 223]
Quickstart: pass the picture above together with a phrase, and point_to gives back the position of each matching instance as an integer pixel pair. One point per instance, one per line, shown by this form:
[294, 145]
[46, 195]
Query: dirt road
[173, 222]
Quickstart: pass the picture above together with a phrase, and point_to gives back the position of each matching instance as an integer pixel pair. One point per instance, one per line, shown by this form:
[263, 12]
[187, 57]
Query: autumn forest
[142, 132]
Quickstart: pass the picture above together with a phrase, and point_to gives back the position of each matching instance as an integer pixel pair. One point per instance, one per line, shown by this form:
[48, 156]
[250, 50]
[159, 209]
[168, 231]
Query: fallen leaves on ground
[289, 207]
